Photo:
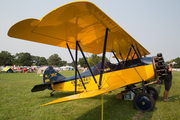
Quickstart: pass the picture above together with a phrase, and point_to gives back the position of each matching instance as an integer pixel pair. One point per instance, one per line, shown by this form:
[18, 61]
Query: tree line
[176, 60]
[26, 59]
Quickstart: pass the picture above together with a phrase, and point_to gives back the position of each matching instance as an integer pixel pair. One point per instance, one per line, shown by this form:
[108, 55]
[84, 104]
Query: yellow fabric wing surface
[85, 94]
[77, 21]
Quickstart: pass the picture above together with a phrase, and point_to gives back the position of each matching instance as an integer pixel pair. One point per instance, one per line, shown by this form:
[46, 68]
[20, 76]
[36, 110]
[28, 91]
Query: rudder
[50, 75]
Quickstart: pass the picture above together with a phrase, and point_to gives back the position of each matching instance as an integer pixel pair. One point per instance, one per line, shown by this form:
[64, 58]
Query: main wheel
[144, 102]
[153, 92]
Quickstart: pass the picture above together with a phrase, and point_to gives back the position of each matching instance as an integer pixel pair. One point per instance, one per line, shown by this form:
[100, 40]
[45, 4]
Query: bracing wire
[124, 53]
[111, 73]
[93, 62]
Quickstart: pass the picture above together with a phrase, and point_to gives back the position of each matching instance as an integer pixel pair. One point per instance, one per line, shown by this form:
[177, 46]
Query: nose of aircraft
[160, 67]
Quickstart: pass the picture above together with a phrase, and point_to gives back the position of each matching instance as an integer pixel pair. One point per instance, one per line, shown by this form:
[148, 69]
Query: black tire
[153, 92]
[144, 102]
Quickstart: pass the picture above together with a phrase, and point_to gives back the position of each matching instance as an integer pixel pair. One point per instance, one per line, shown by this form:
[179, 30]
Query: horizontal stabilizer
[87, 94]
[40, 87]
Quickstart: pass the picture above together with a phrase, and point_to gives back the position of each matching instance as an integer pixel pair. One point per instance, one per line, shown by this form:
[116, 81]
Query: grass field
[17, 102]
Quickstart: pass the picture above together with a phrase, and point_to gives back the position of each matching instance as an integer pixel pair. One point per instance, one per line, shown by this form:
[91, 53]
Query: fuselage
[124, 73]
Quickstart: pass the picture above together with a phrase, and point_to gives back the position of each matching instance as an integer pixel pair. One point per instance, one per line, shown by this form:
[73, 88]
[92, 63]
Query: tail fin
[50, 75]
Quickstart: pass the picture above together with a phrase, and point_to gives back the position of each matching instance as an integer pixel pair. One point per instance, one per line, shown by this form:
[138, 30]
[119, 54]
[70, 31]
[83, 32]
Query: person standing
[167, 84]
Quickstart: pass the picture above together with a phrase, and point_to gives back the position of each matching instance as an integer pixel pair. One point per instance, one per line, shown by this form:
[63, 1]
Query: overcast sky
[155, 24]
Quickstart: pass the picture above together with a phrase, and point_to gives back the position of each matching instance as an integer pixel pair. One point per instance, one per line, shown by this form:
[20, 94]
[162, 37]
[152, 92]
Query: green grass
[17, 102]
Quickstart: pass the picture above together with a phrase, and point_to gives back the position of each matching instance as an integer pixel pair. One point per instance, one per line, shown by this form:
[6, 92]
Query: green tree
[54, 60]
[177, 60]
[23, 59]
[43, 61]
[82, 62]
[39, 61]
[6, 58]
[63, 63]
[71, 64]
[36, 60]
[95, 60]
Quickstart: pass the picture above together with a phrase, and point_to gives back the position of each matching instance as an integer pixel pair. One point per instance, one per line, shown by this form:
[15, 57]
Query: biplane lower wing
[87, 94]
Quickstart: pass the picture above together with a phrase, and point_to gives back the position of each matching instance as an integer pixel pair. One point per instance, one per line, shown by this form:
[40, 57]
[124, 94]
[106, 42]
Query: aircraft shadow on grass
[174, 98]
[119, 109]
[113, 109]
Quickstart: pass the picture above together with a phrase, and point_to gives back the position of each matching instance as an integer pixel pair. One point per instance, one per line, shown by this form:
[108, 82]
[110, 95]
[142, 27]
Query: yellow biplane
[82, 26]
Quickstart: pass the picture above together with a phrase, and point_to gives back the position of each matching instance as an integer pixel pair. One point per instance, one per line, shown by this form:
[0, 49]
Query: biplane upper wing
[77, 21]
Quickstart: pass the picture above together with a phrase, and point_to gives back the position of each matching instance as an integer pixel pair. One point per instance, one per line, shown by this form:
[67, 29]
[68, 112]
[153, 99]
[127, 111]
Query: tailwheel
[153, 92]
[144, 102]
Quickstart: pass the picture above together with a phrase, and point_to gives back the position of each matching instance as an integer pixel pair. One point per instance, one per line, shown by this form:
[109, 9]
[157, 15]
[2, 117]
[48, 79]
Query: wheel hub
[143, 103]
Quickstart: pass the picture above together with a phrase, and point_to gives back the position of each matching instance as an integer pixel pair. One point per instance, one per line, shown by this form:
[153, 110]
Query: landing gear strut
[51, 94]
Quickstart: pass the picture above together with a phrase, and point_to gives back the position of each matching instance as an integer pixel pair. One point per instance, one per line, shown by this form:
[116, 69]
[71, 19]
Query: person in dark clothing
[167, 84]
